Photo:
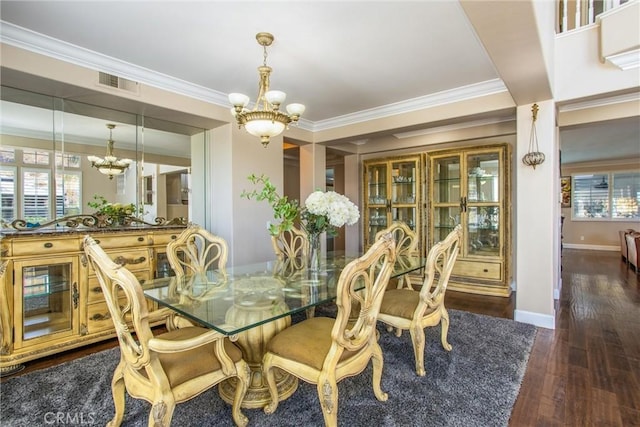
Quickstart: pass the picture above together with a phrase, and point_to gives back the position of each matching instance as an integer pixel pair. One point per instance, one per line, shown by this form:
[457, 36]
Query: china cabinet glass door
[49, 299]
[483, 204]
[446, 196]
[392, 193]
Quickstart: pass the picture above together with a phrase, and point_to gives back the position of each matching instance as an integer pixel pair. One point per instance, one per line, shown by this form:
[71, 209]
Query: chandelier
[266, 119]
[110, 164]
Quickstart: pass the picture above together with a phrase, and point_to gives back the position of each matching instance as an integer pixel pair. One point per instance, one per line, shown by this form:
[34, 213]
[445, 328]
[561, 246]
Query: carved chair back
[195, 251]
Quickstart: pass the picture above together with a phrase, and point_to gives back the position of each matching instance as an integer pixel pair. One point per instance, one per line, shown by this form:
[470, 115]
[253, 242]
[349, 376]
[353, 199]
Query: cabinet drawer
[99, 317]
[95, 291]
[478, 269]
[133, 259]
[121, 240]
[45, 246]
[164, 238]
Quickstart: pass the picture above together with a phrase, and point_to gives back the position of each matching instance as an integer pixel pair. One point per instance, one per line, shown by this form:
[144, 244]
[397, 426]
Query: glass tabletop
[246, 296]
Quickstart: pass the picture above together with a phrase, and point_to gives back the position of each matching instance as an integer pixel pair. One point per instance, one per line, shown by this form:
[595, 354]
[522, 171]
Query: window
[7, 155]
[606, 196]
[8, 193]
[35, 157]
[68, 193]
[36, 184]
[67, 160]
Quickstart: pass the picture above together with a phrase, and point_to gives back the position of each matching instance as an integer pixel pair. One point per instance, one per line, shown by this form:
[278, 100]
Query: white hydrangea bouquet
[326, 212]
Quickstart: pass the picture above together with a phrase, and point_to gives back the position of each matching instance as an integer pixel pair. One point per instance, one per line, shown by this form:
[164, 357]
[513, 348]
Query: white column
[537, 219]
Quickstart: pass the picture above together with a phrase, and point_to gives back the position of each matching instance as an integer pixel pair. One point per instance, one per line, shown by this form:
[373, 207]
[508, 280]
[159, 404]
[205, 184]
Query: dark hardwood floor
[586, 372]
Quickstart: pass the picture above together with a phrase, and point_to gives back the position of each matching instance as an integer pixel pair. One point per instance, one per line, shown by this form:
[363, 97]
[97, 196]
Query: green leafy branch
[284, 210]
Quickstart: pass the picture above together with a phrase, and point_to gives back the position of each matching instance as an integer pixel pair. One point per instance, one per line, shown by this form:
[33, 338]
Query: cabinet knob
[140, 239]
[48, 245]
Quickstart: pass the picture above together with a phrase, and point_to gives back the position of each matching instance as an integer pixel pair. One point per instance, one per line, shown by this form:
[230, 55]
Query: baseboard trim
[591, 247]
[537, 319]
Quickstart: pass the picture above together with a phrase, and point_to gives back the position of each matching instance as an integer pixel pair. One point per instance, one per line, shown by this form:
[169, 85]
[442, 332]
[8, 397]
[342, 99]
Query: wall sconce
[534, 157]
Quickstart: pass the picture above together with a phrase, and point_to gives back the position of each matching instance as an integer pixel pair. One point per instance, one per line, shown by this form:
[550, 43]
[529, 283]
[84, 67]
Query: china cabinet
[392, 192]
[52, 298]
[472, 187]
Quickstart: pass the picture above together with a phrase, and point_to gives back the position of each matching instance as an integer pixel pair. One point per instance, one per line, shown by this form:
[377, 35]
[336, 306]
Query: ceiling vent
[105, 79]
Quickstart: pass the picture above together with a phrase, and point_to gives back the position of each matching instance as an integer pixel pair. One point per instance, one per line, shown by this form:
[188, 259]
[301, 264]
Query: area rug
[476, 384]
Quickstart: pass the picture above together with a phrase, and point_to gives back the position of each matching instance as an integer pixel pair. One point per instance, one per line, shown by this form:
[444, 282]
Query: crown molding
[626, 60]
[599, 102]
[23, 38]
[454, 127]
[462, 93]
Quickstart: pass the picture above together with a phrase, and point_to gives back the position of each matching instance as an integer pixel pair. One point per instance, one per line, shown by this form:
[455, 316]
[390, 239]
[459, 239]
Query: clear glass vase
[313, 263]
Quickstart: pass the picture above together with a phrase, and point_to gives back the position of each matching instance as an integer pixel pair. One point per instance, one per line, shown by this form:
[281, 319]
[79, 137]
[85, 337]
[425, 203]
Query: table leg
[253, 342]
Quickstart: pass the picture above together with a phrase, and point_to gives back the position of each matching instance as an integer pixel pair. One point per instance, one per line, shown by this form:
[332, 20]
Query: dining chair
[416, 310]
[168, 368]
[292, 251]
[195, 251]
[291, 244]
[406, 245]
[323, 350]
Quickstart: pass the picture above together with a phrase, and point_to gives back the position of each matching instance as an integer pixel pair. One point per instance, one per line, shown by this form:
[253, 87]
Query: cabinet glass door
[163, 267]
[377, 184]
[446, 182]
[377, 221]
[49, 299]
[483, 204]
[404, 192]
[392, 193]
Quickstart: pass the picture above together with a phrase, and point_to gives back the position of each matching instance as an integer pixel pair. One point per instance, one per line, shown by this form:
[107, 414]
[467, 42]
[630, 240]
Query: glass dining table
[251, 303]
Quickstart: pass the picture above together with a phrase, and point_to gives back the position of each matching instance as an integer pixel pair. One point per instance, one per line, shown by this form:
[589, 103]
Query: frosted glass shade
[262, 128]
[275, 97]
[238, 99]
[295, 109]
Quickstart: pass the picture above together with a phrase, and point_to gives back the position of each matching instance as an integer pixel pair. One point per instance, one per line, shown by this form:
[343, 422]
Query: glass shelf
[50, 288]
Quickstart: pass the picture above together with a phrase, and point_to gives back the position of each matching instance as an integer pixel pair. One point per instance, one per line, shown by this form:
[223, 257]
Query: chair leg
[267, 373]
[328, 396]
[417, 338]
[162, 412]
[444, 322]
[243, 375]
[118, 393]
[378, 362]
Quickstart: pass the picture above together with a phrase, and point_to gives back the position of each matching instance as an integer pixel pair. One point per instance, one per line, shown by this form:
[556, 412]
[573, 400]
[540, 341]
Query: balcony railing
[574, 14]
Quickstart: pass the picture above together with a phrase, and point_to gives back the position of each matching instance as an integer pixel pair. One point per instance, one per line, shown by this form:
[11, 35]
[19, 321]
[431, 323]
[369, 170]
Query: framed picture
[565, 186]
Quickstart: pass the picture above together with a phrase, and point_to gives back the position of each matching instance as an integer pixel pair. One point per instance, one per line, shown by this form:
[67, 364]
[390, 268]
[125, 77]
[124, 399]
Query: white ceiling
[336, 57]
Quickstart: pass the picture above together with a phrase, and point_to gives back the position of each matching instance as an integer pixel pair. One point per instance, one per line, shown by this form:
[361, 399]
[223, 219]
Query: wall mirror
[45, 167]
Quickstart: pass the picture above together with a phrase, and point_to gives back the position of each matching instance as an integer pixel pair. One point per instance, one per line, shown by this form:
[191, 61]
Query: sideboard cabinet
[472, 187]
[50, 297]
